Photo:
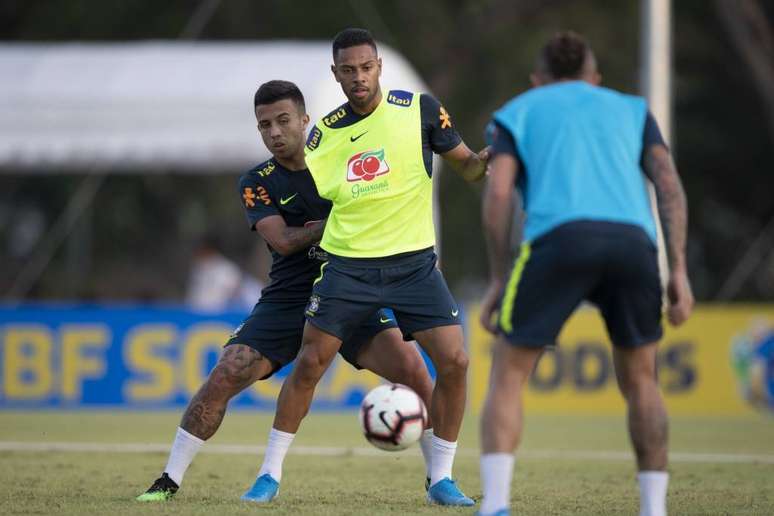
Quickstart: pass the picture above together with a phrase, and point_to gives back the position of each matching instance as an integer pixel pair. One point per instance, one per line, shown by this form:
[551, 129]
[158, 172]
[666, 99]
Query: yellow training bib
[372, 170]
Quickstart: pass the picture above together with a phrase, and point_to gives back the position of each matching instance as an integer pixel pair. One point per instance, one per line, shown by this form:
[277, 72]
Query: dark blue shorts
[614, 266]
[274, 329]
[350, 289]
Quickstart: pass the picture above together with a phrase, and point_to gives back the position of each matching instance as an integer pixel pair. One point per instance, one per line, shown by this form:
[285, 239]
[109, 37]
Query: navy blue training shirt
[271, 189]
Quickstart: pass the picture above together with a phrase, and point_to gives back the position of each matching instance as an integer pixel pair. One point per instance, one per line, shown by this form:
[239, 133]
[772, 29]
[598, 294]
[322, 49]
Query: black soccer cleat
[163, 489]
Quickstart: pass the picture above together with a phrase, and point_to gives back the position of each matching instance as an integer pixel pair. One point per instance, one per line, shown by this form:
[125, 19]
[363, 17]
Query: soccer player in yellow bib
[372, 157]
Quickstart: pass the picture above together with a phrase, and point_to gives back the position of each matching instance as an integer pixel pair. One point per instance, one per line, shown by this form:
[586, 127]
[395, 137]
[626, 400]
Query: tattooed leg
[239, 367]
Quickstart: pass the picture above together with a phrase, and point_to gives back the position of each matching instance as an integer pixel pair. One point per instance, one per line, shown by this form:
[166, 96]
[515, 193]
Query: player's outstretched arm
[672, 209]
[471, 166]
[497, 219]
[288, 239]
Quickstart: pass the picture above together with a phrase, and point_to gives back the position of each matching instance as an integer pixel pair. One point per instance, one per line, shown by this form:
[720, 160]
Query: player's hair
[274, 91]
[564, 55]
[352, 37]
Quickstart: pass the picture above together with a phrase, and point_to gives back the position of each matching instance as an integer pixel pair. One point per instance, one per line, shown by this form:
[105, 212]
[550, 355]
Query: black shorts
[274, 329]
[613, 265]
[349, 290]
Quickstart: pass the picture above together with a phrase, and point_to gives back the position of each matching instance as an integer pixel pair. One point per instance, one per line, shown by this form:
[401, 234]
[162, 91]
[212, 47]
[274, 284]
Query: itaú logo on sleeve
[366, 166]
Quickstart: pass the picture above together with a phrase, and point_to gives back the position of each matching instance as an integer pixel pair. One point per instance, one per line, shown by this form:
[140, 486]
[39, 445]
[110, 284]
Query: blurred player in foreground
[372, 157]
[576, 151]
[282, 205]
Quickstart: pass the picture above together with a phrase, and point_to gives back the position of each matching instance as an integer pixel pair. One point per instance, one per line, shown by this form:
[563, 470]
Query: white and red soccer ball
[392, 417]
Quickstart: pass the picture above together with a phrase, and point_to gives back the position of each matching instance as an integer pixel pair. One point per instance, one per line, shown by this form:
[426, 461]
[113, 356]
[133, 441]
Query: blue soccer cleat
[501, 512]
[264, 490]
[446, 492]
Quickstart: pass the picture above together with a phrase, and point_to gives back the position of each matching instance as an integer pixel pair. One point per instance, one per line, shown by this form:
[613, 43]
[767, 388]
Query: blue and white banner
[134, 357]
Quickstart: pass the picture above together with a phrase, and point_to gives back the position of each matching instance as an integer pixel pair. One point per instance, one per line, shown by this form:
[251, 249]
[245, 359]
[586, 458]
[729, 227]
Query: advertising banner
[133, 357]
[721, 362]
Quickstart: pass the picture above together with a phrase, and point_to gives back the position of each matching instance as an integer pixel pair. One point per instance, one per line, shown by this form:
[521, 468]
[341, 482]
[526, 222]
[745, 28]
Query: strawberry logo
[366, 166]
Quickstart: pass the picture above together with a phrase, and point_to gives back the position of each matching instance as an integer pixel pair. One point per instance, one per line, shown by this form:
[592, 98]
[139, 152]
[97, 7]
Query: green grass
[106, 483]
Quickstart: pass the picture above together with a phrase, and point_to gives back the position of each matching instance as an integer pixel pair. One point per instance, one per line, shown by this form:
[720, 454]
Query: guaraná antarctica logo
[366, 166]
[752, 357]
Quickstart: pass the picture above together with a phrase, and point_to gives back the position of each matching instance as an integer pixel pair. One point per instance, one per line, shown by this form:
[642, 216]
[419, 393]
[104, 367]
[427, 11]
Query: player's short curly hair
[564, 55]
[274, 91]
[352, 37]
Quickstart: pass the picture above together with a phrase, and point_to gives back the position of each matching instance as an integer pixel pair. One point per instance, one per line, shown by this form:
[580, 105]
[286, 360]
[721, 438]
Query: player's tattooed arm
[672, 209]
[497, 216]
[471, 166]
[286, 239]
[660, 168]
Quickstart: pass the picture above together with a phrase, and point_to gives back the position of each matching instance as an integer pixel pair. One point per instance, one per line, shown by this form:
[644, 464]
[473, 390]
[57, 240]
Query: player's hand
[484, 155]
[680, 297]
[490, 307]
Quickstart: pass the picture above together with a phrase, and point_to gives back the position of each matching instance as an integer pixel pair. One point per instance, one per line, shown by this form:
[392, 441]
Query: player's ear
[305, 120]
[333, 71]
[379, 64]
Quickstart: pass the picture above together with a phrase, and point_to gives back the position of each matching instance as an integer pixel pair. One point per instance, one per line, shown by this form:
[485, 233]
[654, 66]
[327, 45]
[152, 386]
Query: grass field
[568, 465]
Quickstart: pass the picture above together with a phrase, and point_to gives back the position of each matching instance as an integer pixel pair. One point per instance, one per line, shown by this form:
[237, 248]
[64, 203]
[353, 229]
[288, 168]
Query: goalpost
[656, 86]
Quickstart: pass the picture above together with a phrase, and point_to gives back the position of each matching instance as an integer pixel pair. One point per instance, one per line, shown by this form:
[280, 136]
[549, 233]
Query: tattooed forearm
[238, 368]
[672, 209]
[287, 240]
[297, 239]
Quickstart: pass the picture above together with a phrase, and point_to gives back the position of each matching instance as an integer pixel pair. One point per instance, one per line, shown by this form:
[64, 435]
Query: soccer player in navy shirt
[577, 152]
[282, 205]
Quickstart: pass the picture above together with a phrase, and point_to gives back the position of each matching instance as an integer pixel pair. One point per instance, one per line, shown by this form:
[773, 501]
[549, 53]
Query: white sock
[442, 459]
[426, 444]
[183, 451]
[653, 489]
[276, 449]
[496, 473]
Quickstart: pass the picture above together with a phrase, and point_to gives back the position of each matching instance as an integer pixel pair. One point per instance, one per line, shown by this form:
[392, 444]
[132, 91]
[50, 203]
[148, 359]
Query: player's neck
[367, 110]
[294, 163]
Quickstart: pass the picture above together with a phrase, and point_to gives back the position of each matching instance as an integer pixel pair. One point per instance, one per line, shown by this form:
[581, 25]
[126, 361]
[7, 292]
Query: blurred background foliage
[474, 55]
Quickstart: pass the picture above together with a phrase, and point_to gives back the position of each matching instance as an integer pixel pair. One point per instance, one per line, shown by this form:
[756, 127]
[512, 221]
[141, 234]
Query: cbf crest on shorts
[313, 306]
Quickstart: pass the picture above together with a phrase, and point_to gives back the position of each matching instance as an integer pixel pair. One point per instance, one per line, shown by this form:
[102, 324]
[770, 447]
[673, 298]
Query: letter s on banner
[141, 353]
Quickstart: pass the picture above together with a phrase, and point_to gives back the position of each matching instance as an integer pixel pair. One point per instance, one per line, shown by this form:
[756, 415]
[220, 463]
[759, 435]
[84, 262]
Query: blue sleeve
[255, 200]
[651, 134]
[501, 140]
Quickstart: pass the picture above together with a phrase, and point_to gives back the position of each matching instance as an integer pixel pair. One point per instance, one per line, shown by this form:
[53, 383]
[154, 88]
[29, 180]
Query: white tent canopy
[155, 106]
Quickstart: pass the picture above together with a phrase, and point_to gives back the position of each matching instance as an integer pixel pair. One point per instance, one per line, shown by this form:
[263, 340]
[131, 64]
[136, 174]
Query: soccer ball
[392, 417]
